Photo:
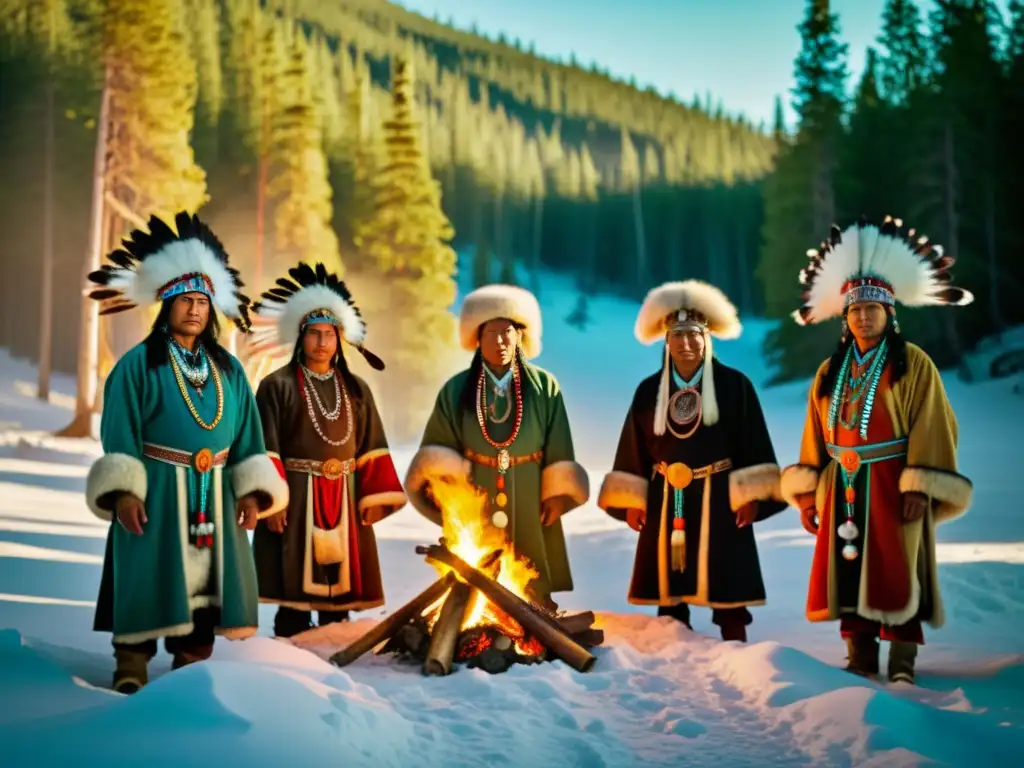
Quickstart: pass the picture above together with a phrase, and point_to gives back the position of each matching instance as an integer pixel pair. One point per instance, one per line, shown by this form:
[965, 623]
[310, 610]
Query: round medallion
[850, 461]
[848, 531]
[501, 499]
[331, 469]
[203, 461]
[684, 406]
[850, 552]
[679, 475]
[504, 460]
[499, 519]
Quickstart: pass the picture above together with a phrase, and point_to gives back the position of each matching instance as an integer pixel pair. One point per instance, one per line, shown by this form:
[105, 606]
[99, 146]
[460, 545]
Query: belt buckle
[679, 475]
[202, 461]
[332, 469]
[849, 460]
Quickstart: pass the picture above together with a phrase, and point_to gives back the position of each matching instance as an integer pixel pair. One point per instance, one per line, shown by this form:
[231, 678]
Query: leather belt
[331, 469]
[492, 461]
[851, 457]
[201, 461]
[679, 475]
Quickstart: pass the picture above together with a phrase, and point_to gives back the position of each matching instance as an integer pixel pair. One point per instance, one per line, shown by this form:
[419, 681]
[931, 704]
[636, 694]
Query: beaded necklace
[855, 389]
[309, 394]
[500, 518]
[183, 389]
[193, 364]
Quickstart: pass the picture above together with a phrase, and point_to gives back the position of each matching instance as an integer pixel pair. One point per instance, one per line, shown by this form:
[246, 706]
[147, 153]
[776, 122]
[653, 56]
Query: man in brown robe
[695, 466]
[878, 467]
[323, 430]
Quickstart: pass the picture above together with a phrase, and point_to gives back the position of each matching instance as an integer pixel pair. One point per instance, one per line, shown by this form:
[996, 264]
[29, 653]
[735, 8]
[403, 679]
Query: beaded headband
[867, 289]
[686, 320]
[318, 316]
[195, 282]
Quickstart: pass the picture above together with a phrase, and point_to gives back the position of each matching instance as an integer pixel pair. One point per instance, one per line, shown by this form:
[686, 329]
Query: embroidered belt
[492, 461]
[679, 475]
[850, 458]
[201, 461]
[331, 469]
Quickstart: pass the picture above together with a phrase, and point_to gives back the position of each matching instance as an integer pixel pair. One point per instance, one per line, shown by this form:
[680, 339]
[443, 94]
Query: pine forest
[384, 143]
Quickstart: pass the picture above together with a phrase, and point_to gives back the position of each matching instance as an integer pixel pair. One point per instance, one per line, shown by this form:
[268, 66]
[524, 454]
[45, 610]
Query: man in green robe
[503, 425]
[185, 472]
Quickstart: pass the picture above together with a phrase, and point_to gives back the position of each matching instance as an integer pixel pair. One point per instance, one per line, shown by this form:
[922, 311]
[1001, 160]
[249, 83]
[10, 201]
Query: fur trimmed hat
[158, 265]
[312, 295]
[492, 302]
[883, 264]
[692, 305]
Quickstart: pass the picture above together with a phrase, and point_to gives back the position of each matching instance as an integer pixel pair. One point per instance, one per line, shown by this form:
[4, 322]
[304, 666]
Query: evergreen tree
[903, 66]
[299, 184]
[408, 239]
[204, 21]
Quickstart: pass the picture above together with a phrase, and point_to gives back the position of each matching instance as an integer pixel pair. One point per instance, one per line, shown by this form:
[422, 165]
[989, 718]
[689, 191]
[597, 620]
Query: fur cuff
[623, 490]
[432, 462]
[952, 491]
[757, 483]
[258, 473]
[114, 473]
[796, 480]
[395, 500]
[565, 478]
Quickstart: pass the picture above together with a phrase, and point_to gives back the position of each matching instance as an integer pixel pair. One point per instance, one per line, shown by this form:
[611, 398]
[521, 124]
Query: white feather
[178, 258]
[287, 316]
[723, 320]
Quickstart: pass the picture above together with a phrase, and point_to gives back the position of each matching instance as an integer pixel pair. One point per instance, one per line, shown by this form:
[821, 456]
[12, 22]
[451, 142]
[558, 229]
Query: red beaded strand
[481, 403]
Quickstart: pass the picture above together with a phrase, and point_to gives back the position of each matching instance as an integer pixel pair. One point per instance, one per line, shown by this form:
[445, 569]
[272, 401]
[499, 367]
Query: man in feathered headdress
[695, 467]
[322, 429]
[502, 423]
[185, 472]
[878, 464]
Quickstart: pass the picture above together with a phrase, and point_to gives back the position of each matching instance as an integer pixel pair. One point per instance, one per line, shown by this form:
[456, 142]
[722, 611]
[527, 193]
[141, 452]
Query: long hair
[338, 362]
[156, 341]
[467, 398]
[897, 358]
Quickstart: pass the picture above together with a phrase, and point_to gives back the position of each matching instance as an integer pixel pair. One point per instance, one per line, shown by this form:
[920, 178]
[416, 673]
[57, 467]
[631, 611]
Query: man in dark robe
[878, 465]
[322, 429]
[695, 466]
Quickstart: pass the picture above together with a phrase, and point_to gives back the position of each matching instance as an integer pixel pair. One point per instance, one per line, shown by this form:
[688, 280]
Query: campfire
[479, 611]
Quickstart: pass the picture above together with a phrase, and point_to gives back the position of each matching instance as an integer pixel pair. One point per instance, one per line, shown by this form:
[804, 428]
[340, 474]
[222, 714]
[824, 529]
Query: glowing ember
[469, 534]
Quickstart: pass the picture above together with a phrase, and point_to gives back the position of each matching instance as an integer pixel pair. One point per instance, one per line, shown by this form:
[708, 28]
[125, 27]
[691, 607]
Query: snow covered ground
[659, 694]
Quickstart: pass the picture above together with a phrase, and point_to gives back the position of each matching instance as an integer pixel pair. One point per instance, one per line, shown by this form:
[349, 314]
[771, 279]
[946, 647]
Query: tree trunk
[81, 424]
[990, 228]
[538, 240]
[262, 176]
[641, 244]
[46, 287]
[952, 229]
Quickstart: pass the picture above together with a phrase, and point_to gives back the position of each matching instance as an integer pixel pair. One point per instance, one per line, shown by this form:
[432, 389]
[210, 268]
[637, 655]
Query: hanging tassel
[709, 402]
[679, 549]
[661, 404]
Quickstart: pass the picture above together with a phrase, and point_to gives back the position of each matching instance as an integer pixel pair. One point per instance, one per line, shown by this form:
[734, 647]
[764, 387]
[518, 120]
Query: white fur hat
[492, 302]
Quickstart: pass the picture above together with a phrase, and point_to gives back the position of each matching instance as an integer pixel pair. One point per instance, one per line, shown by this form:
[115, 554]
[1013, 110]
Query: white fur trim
[952, 491]
[661, 403]
[111, 473]
[432, 462]
[669, 298]
[258, 473]
[396, 499]
[287, 316]
[757, 483]
[623, 490]
[565, 478]
[796, 480]
[864, 251]
[178, 258]
[495, 301]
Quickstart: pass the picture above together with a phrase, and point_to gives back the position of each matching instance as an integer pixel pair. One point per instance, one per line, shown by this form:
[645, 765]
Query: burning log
[588, 638]
[445, 635]
[390, 626]
[544, 628]
[576, 622]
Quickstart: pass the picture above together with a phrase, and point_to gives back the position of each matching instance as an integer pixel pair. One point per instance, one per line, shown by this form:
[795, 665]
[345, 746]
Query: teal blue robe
[152, 583]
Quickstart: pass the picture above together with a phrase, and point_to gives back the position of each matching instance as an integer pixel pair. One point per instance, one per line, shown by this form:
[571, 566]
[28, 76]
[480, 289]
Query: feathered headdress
[154, 266]
[879, 264]
[694, 305]
[313, 295]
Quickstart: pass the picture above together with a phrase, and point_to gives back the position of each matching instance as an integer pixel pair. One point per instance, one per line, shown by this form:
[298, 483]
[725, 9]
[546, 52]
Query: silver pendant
[848, 531]
[850, 552]
[504, 460]
[684, 406]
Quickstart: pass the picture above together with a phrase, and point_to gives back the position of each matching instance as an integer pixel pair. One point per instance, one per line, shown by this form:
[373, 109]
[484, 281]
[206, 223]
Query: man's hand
[915, 504]
[277, 523]
[130, 512]
[746, 515]
[375, 514]
[809, 519]
[552, 509]
[635, 519]
[248, 511]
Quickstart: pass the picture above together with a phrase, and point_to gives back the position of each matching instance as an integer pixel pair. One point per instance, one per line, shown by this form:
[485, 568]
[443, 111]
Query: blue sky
[740, 50]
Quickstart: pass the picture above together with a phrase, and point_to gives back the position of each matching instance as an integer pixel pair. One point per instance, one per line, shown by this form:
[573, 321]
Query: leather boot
[183, 657]
[862, 655]
[736, 632]
[901, 662]
[132, 671]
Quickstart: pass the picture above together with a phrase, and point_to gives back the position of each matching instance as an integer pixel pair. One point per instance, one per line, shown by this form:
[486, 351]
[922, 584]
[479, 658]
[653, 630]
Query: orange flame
[469, 534]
